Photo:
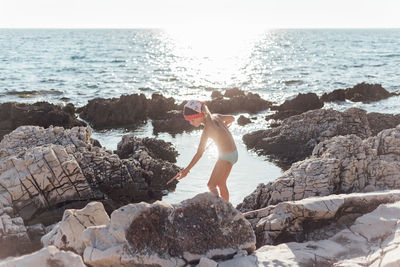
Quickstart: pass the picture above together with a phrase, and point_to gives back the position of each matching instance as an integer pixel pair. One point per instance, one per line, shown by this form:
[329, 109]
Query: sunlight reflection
[213, 55]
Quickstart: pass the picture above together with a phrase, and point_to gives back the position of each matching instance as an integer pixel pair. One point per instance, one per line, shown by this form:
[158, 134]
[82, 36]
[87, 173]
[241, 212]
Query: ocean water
[62, 66]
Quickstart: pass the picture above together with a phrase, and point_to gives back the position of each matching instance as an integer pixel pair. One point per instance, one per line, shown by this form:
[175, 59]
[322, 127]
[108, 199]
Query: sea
[75, 65]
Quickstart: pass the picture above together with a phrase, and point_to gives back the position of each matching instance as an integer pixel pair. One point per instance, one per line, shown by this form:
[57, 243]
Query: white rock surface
[47, 257]
[372, 240]
[67, 234]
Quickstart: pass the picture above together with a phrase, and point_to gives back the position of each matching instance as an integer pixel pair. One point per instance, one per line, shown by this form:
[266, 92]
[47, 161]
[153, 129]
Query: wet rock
[47, 257]
[243, 120]
[159, 106]
[42, 114]
[378, 121]
[310, 218]
[301, 103]
[336, 95]
[246, 102]
[156, 148]
[174, 124]
[216, 94]
[342, 164]
[169, 235]
[234, 92]
[128, 110]
[66, 234]
[371, 240]
[297, 136]
[365, 92]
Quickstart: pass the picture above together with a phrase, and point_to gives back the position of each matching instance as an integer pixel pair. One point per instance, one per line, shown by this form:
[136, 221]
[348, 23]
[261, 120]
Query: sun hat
[192, 110]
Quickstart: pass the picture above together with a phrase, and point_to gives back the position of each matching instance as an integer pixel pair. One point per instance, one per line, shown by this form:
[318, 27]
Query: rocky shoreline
[66, 200]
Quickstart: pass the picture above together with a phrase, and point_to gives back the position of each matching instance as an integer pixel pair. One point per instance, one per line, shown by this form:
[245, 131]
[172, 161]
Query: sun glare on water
[214, 56]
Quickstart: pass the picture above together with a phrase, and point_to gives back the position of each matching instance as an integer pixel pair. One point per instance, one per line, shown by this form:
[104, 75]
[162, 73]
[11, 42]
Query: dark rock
[336, 95]
[233, 92]
[297, 136]
[243, 120]
[126, 111]
[216, 94]
[364, 92]
[301, 103]
[174, 124]
[250, 103]
[13, 115]
[158, 106]
[378, 122]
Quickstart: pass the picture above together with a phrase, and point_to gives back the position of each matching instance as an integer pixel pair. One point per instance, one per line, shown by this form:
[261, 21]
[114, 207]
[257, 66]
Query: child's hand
[182, 174]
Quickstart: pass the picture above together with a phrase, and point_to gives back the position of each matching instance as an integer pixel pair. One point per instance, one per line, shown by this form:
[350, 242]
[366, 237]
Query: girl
[215, 127]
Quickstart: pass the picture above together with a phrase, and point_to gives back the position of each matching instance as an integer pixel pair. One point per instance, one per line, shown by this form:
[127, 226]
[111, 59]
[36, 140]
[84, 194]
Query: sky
[207, 13]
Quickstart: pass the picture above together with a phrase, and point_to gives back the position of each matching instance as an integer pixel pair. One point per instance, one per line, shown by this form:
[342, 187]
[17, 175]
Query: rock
[234, 92]
[216, 94]
[246, 102]
[174, 124]
[46, 257]
[13, 115]
[206, 262]
[378, 122]
[66, 234]
[14, 238]
[314, 218]
[247, 261]
[128, 110]
[336, 95]
[159, 106]
[297, 136]
[243, 120]
[48, 170]
[342, 164]
[365, 92]
[156, 148]
[301, 103]
[371, 240]
[169, 235]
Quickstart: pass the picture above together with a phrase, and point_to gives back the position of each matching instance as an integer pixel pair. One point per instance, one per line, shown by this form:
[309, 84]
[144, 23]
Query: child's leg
[218, 178]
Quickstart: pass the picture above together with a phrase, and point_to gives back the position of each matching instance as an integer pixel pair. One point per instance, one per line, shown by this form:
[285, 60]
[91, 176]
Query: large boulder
[362, 92]
[66, 234]
[314, 218]
[343, 164]
[297, 136]
[44, 171]
[301, 103]
[169, 235]
[372, 240]
[13, 115]
[47, 257]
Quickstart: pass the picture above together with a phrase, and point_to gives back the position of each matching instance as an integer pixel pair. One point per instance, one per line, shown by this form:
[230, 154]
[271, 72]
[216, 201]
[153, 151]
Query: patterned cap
[193, 105]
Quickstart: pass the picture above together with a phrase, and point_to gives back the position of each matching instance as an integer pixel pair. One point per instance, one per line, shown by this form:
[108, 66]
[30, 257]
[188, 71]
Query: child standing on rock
[216, 128]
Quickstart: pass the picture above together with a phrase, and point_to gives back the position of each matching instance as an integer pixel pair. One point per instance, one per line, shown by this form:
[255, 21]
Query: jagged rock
[243, 120]
[159, 106]
[42, 171]
[216, 94]
[372, 240]
[301, 103]
[44, 114]
[246, 102]
[156, 148]
[66, 234]
[46, 257]
[174, 124]
[378, 121]
[310, 218]
[343, 164]
[169, 235]
[128, 110]
[296, 137]
[14, 238]
[365, 92]
[233, 92]
[336, 95]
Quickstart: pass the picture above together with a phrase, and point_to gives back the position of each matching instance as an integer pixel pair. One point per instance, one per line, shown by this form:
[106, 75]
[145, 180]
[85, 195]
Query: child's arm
[196, 157]
[228, 119]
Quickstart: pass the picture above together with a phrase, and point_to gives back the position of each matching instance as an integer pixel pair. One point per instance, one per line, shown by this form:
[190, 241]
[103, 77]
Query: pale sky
[166, 13]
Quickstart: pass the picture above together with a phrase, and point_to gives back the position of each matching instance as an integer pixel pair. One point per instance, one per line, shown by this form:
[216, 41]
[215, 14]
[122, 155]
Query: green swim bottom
[231, 157]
